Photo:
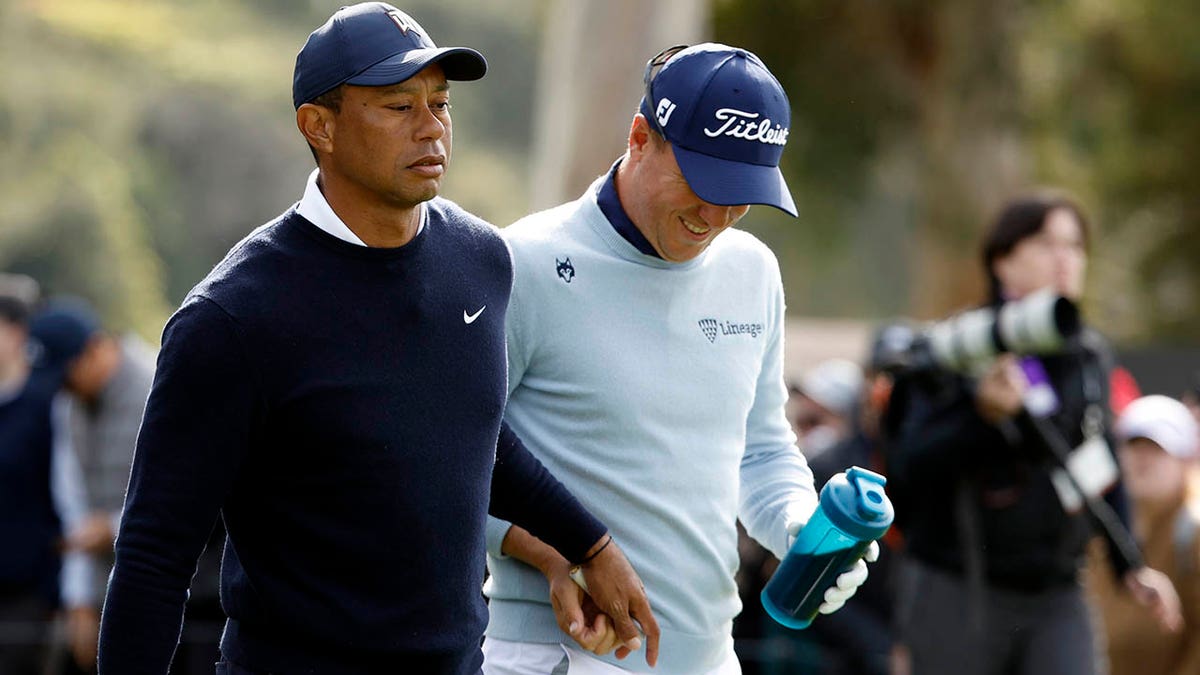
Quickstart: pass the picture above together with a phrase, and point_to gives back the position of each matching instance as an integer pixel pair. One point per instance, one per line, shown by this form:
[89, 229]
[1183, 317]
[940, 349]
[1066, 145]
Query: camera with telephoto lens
[1038, 324]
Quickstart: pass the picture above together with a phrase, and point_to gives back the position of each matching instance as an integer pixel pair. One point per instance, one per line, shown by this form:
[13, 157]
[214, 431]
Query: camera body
[1040, 323]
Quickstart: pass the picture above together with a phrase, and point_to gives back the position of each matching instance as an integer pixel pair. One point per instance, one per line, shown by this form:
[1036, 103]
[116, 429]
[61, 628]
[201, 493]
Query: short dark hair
[331, 99]
[18, 296]
[1020, 219]
[13, 310]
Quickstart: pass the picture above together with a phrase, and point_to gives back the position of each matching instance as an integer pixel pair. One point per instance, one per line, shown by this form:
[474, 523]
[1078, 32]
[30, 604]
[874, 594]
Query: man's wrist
[596, 549]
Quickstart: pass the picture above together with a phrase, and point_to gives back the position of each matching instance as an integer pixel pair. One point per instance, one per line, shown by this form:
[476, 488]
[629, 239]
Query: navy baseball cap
[727, 120]
[61, 331]
[374, 44]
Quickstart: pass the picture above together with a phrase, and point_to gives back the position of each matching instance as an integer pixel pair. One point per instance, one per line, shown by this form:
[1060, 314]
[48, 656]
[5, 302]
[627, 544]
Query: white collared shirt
[316, 209]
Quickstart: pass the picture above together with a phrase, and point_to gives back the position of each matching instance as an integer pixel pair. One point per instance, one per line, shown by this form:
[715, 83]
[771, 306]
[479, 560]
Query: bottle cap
[855, 502]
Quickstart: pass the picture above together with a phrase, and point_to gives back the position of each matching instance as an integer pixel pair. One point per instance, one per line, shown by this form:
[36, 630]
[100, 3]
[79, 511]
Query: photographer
[996, 540]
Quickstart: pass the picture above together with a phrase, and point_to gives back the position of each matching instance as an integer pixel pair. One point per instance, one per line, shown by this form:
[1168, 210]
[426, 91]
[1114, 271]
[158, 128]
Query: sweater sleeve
[776, 483]
[517, 345]
[70, 501]
[524, 493]
[198, 422]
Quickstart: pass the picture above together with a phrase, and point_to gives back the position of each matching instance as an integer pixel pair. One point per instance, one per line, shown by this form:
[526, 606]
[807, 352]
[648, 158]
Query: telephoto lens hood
[1041, 323]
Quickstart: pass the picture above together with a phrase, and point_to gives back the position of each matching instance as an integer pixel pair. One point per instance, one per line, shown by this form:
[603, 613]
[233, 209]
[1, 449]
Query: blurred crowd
[998, 558]
[836, 408]
[72, 396]
[997, 563]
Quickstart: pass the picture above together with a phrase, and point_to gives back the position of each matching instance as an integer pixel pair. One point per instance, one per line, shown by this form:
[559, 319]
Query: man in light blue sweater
[646, 371]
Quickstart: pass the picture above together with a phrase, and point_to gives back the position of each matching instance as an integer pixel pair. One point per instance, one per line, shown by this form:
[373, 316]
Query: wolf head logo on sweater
[566, 271]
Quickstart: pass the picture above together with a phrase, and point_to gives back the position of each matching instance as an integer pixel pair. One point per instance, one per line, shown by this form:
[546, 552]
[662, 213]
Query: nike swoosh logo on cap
[470, 318]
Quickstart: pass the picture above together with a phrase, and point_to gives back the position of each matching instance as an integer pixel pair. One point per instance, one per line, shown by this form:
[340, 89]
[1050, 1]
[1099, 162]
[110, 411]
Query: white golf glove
[848, 582]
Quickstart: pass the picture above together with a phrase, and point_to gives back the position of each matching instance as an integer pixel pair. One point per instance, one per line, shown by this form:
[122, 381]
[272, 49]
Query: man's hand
[83, 635]
[1154, 591]
[93, 534]
[847, 582]
[577, 614]
[1000, 392]
[619, 593]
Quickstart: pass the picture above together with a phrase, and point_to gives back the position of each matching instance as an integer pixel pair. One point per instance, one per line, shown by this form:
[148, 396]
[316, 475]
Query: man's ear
[317, 124]
[640, 136]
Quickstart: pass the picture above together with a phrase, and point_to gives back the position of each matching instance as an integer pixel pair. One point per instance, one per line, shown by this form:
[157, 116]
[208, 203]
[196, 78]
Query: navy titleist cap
[374, 44]
[727, 120]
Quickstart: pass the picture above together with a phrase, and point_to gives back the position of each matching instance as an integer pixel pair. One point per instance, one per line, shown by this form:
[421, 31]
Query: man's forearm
[521, 545]
[524, 493]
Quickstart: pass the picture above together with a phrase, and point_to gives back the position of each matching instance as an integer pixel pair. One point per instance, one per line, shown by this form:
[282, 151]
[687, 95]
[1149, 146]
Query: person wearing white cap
[1159, 447]
[822, 404]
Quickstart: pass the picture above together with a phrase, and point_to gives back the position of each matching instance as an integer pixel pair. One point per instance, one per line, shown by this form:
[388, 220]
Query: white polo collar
[316, 210]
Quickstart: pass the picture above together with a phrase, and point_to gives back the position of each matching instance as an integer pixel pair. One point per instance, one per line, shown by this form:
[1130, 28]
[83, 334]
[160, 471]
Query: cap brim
[728, 183]
[458, 63]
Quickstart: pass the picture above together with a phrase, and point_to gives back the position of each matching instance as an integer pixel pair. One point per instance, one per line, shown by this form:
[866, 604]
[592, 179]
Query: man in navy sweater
[334, 391]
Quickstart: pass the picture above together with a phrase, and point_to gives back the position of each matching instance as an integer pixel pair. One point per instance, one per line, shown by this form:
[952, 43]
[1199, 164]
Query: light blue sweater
[655, 392]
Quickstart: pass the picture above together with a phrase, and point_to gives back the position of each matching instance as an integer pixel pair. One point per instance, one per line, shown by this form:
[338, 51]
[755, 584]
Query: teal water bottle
[853, 512]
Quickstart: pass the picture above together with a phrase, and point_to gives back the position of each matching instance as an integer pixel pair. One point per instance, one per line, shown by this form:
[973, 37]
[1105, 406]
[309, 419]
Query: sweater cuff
[494, 533]
[526, 494]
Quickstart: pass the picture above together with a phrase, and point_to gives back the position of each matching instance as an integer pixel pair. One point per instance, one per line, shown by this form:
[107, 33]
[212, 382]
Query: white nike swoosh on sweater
[470, 318]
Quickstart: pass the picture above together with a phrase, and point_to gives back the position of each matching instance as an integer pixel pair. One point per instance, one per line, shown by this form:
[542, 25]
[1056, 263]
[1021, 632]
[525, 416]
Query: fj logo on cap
[742, 124]
[402, 22]
[665, 108]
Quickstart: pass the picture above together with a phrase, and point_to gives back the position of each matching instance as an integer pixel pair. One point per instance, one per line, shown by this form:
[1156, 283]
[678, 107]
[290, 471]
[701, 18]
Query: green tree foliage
[913, 121]
[140, 140]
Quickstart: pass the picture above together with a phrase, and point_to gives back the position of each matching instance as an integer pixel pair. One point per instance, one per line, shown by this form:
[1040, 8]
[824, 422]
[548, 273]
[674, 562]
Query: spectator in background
[1123, 389]
[994, 549]
[41, 496]
[822, 404]
[1191, 397]
[1159, 447]
[109, 379]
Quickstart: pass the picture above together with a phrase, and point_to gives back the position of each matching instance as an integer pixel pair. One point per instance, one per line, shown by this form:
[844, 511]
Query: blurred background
[139, 140]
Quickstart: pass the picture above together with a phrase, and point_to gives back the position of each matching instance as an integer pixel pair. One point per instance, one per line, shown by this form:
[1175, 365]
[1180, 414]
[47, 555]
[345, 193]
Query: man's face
[817, 428]
[678, 224]
[85, 375]
[12, 344]
[1053, 257]
[393, 143]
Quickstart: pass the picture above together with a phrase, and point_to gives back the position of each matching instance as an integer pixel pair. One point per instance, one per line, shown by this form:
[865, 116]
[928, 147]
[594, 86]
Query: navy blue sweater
[29, 526]
[341, 410]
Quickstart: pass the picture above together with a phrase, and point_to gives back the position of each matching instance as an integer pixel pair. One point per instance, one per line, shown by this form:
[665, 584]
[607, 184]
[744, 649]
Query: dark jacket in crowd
[29, 525]
[970, 491]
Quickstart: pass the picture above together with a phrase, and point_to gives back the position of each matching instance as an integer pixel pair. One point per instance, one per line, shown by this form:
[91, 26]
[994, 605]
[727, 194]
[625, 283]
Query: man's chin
[418, 195]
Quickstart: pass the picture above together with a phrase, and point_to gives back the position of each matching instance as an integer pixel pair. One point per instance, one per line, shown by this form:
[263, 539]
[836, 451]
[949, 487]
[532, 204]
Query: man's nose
[431, 127]
[721, 216]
